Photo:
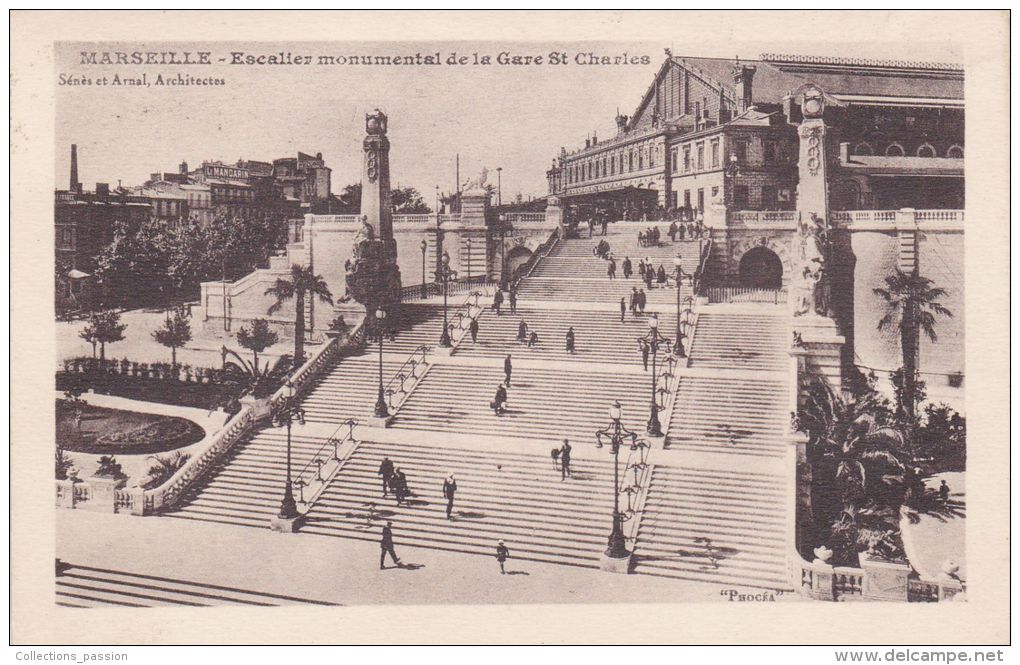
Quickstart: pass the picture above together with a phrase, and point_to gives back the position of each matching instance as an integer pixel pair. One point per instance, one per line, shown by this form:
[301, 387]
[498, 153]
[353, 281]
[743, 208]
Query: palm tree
[859, 476]
[912, 304]
[303, 281]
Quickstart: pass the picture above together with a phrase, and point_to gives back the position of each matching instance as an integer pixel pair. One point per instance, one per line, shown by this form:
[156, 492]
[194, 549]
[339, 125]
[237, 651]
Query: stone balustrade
[764, 218]
[903, 218]
[525, 217]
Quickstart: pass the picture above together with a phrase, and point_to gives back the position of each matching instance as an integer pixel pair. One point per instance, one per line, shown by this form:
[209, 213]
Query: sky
[511, 116]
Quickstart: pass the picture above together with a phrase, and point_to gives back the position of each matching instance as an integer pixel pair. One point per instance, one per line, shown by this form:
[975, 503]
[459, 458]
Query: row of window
[896, 150]
[611, 165]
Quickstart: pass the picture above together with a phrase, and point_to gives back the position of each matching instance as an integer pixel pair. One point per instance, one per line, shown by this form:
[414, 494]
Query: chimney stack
[743, 76]
[75, 185]
[184, 168]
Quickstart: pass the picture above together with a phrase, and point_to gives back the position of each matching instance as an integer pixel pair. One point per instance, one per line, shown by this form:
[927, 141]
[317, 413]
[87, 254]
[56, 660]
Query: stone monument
[373, 277]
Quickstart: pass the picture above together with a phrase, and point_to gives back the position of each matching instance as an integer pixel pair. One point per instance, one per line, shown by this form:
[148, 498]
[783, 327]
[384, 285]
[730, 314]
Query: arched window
[894, 150]
[955, 152]
[641, 160]
[926, 150]
[630, 161]
[863, 149]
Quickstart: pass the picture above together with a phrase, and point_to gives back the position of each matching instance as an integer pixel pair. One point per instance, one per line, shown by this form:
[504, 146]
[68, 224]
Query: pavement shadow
[930, 504]
[469, 514]
[411, 566]
[517, 572]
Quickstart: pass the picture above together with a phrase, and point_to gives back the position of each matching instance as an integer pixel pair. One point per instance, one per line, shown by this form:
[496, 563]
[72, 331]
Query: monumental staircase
[714, 501]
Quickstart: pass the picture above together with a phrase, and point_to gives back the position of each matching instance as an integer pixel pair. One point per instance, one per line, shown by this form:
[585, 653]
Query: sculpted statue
[366, 232]
[375, 123]
[478, 183]
[809, 284]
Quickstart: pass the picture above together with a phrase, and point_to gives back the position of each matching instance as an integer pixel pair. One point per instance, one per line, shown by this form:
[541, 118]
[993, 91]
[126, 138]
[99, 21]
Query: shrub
[163, 468]
[109, 468]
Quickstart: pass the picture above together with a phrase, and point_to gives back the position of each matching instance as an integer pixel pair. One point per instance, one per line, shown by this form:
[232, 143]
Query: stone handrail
[633, 495]
[542, 251]
[417, 218]
[237, 428]
[525, 217]
[413, 369]
[905, 217]
[325, 467]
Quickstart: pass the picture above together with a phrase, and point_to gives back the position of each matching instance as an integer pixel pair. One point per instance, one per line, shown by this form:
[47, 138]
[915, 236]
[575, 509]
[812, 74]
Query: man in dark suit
[508, 368]
[473, 328]
[498, 404]
[386, 545]
[449, 489]
[565, 460]
[386, 471]
[502, 554]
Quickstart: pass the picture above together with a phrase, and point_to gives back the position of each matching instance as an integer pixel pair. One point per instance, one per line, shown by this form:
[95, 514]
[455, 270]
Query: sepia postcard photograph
[510, 327]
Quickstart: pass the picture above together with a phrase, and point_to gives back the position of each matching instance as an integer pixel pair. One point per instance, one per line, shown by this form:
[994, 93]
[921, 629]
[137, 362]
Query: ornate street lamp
[284, 416]
[653, 341]
[424, 287]
[679, 346]
[444, 275]
[469, 262]
[504, 231]
[615, 434]
[731, 171]
[380, 403]
[499, 186]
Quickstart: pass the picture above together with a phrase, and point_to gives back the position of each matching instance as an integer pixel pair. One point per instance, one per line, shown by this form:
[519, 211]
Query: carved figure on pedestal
[478, 183]
[809, 287]
[366, 232]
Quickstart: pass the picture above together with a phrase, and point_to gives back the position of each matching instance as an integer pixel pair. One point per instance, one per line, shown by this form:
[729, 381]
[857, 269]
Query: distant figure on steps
[499, 403]
[522, 332]
[642, 300]
[533, 339]
[513, 300]
[661, 275]
[681, 231]
[497, 301]
[508, 368]
[399, 485]
[449, 490]
[570, 339]
[473, 328]
[641, 269]
[628, 268]
[386, 471]
[623, 309]
[565, 460]
[634, 298]
[611, 269]
[644, 356]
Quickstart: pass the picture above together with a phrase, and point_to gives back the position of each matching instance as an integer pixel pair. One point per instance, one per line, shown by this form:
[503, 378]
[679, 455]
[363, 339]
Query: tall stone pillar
[814, 329]
[373, 276]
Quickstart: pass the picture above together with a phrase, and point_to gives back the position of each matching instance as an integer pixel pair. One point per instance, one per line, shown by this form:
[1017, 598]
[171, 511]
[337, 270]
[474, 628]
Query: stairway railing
[634, 484]
[408, 371]
[316, 479]
[542, 251]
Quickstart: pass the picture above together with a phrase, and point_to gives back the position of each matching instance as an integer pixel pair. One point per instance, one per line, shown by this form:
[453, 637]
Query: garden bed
[206, 396]
[117, 432]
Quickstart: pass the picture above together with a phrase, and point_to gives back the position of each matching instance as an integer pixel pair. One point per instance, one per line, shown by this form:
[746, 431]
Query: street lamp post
[731, 171]
[444, 275]
[679, 345]
[380, 403]
[285, 415]
[616, 434]
[653, 341]
[424, 287]
[499, 185]
[469, 262]
[502, 252]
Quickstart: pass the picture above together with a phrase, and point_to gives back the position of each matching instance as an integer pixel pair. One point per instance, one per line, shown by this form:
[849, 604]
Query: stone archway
[516, 257]
[761, 268]
[778, 246]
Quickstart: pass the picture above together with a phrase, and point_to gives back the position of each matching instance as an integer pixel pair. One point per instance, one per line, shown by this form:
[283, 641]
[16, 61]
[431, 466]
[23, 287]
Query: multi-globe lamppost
[284, 416]
[679, 345]
[615, 434]
[653, 340]
[380, 403]
[444, 274]
[424, 287]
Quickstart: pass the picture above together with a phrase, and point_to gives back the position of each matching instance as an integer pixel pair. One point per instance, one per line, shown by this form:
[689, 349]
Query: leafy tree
[912, 304]
[409, 201]
[303, 281]
[942, 440]
[63, 462]
[257, 338]
[104, 327]
[860, 479]
[175, 333]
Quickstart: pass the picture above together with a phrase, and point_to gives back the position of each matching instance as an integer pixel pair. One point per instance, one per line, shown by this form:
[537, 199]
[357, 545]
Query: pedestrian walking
[449, 490]
[634, 298]
[533, 339]
[628, 268]
[513, 301]
[623, 309]
[672, 232]
[508, 368]
[681, 231]
[502, 554]
[570, 339]
[605, 225]
[591, 227]
[498, 404]
[611, 269]
[944, 492]
[399, 485]
[641, 268]
[661, 275]
[386, 545]
[565, 461]
[522, 332]
[642, 300]
[497, 301]
[644, 355]
[473, 328]
[386, 471]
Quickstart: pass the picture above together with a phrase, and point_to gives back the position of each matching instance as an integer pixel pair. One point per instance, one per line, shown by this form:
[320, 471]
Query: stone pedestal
[884, 580]
[103, 490]
[474, 208]
[821, 581]
[821, 346]
[285, 525]
[375, 421]
[610, 564]
[66, 497]
[261, 406]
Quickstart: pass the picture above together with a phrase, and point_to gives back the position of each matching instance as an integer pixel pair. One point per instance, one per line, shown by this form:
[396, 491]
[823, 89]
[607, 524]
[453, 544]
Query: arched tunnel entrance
[761, 268]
